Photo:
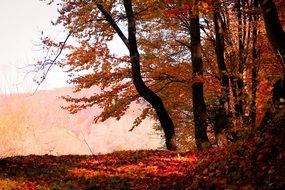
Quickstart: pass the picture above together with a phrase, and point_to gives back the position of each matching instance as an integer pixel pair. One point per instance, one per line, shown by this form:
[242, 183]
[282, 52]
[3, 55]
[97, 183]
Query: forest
[210, 73]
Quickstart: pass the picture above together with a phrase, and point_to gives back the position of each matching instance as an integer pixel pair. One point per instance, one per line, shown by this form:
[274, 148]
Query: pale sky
[21, 22]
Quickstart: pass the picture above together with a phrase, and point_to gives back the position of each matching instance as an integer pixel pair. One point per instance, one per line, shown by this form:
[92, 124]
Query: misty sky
[21, 24]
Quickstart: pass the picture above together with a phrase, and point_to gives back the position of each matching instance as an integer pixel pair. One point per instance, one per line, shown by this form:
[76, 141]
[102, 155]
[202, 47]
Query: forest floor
[256, 162]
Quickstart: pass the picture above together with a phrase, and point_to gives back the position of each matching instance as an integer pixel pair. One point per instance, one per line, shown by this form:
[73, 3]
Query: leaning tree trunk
[199, 106]
[145, 92]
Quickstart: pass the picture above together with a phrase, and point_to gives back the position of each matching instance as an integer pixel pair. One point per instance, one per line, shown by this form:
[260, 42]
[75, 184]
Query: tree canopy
[202, 69]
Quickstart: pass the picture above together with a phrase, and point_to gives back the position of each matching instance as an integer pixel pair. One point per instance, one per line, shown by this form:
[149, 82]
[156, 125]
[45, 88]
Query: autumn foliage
[236, 71]
[204, 70]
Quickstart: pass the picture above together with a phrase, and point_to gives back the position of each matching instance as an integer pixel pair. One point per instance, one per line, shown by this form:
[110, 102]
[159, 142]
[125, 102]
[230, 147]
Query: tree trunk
[220, 50]
[254, 66]
[145, 92]
[254, 90]
[239, 82]
[276, 36]
[274, 30]
[221, 119]
[199, 106]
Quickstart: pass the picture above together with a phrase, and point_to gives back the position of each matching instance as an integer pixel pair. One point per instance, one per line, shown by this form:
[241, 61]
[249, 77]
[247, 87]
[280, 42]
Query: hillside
[256, 162]
[36, 124]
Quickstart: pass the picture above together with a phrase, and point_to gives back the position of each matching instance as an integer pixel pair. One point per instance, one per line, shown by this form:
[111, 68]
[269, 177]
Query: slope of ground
[254, 163]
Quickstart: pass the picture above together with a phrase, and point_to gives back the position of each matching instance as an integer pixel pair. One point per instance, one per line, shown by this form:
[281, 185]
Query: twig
[84, 139]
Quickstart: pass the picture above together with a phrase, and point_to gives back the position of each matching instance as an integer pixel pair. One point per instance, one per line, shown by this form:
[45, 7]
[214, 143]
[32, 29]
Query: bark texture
[199, 106]
[221, 118]
[254, 71]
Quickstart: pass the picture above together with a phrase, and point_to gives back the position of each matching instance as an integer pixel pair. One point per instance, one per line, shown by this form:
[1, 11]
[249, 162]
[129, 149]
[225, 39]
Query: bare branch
[51, 62]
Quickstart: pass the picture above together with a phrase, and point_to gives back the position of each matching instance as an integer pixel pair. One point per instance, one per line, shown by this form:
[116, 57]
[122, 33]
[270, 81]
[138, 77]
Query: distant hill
[36, 124]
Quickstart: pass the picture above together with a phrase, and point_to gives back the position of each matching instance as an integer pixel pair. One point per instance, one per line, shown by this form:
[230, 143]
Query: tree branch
[184, 44]
[114, 25]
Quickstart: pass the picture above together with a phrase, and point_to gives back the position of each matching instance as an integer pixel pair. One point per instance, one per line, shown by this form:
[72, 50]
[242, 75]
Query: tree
[255, 56]
[274, 30]
[186, 14]
[94, 24]
[276, 37]
[221, 118]
[143, 90]
[199, 105]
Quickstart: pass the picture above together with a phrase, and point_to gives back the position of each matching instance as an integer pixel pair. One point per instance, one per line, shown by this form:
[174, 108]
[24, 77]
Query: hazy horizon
[36, 124]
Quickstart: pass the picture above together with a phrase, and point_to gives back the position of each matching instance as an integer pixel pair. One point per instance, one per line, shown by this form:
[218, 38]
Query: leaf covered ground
[254, 163]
